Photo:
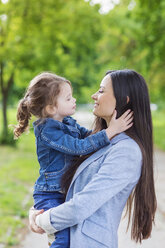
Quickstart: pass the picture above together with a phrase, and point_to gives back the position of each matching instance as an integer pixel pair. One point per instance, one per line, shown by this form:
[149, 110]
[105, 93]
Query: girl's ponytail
[23, 117]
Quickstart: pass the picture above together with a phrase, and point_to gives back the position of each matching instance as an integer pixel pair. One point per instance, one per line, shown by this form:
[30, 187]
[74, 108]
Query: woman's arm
[121, 167]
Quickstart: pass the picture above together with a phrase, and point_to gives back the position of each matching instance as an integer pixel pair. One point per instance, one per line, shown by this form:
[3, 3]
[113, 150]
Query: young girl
[58, 137]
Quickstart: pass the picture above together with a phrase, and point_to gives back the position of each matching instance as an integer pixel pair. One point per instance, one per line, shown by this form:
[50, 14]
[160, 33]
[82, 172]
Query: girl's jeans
[46, 200]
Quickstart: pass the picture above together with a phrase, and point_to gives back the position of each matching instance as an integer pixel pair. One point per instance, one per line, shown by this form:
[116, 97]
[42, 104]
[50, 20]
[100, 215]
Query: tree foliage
[72, 39]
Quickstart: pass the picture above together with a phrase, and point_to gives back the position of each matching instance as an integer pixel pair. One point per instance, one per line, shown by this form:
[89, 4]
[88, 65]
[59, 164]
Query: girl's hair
[143, 199]
[43, 90]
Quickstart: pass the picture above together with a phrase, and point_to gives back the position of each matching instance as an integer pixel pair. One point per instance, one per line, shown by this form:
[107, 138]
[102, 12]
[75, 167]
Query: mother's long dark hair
[129, 85]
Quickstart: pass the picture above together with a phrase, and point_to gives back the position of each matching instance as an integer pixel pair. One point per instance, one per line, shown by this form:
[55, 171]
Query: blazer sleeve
[121, 167]
[67, 144]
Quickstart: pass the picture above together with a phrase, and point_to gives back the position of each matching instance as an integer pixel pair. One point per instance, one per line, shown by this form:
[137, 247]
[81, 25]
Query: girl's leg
[47, 200]
[62, 239]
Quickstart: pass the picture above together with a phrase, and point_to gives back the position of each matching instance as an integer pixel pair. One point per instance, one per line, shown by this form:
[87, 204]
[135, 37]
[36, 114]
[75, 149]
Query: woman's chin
[95, 112]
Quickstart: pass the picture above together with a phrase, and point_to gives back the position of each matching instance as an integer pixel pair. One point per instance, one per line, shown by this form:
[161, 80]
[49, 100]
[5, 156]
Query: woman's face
[105, 101]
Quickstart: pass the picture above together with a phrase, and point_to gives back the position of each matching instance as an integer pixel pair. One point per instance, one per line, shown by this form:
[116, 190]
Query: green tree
[151, 15]
[134, 38]
[59, 36]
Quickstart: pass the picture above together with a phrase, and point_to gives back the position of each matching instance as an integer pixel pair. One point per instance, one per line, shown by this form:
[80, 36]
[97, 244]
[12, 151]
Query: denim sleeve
[120, 169]
[84, 132]
[73, 146]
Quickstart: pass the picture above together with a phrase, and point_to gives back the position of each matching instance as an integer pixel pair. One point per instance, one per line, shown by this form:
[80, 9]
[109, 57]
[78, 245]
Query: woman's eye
[100, 91]
[68, 99]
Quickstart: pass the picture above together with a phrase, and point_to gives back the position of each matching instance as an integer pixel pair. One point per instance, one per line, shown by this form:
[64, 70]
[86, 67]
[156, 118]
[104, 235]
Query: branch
[10, 82]
[1, 76]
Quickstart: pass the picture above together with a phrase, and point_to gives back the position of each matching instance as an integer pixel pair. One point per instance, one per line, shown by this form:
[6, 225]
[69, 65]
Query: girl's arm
[65, 143]
[116, 125]
[84, 132]
[121, 167]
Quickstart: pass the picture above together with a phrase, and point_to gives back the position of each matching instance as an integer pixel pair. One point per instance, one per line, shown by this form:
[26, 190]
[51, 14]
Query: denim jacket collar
[68, 122]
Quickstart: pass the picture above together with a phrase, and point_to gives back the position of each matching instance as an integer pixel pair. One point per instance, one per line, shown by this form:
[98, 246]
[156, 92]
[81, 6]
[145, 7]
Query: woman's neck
[107, 120]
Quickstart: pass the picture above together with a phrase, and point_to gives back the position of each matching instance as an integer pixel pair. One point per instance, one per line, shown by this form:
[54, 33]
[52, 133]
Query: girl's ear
[51, 110]
[127, 99]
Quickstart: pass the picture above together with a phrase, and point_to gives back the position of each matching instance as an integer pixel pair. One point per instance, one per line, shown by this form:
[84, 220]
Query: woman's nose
[94, 96]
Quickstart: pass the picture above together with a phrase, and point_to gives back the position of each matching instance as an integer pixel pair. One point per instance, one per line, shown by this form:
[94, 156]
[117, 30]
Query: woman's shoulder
[124, 156]
[122, 143]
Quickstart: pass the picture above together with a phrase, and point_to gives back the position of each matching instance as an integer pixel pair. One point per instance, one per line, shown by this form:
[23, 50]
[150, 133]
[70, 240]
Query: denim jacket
[57, 143]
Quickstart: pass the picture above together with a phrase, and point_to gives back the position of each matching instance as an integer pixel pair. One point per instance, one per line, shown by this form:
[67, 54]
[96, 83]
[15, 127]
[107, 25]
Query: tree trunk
[4, 114]
[5, 89]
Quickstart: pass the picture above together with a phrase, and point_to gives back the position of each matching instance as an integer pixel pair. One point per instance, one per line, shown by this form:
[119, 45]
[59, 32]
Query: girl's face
[66, 104]
[105, 102]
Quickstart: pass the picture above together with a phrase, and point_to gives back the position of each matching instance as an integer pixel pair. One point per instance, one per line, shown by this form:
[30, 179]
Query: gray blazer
[98, 194]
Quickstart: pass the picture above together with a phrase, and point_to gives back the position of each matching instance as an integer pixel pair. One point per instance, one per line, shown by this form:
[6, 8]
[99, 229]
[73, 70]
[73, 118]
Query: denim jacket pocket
[97, 232]
[53, 179]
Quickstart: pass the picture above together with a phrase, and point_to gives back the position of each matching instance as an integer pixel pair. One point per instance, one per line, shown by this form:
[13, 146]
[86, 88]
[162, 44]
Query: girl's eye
[100, 91]
[68, 99]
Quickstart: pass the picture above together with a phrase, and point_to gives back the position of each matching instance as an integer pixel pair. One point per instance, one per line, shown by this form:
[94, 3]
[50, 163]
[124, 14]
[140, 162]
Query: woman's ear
[127, 99]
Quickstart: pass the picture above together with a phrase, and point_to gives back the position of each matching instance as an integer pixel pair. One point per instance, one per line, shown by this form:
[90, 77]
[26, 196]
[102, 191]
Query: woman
[118, 173]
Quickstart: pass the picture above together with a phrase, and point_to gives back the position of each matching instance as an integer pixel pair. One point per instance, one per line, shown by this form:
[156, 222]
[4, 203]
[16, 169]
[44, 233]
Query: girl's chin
[73, 112]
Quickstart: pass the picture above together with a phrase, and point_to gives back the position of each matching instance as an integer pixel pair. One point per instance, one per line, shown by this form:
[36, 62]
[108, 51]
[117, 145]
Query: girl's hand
[32, 216]
[121, 124]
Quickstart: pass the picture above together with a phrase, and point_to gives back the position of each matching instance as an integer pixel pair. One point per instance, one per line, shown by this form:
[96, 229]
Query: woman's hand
[121, 124]
[32, 217]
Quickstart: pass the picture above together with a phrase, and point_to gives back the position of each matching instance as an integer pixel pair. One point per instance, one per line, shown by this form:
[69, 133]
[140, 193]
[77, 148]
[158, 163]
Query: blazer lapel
[87, 162]
[95, 156]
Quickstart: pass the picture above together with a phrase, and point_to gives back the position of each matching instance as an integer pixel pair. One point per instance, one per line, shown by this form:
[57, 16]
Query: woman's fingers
[32, 217]
[39, 212]
[36, 229]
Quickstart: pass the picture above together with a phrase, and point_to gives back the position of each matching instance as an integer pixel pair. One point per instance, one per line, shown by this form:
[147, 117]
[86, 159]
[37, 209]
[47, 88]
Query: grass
[18, 172]
[159, 129]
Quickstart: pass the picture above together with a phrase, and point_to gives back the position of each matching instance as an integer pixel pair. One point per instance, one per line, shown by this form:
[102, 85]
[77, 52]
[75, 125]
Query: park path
[157, 239]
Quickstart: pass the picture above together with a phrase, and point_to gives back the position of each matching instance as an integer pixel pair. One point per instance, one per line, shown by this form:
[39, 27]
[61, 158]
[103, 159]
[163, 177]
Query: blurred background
[80, 40]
